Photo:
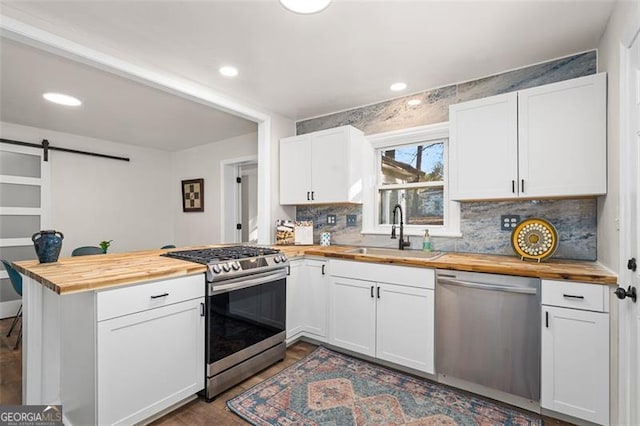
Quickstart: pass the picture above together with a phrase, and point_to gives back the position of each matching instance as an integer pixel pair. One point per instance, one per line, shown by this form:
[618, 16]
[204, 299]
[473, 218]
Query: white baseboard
[10, 308]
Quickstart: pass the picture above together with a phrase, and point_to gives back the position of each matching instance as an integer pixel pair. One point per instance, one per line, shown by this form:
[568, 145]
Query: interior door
[24, 210]
[634, 183]
[629, 239]
[248, 209]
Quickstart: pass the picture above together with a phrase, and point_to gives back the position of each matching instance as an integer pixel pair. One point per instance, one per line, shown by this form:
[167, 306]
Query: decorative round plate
[534, 239]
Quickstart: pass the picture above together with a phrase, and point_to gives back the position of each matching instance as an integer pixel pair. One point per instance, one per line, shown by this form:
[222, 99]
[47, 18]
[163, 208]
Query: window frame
[371, 196]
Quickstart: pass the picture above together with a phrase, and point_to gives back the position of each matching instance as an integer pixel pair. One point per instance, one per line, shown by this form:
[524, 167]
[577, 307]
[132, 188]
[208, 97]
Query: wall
[608, 207]
[480, 221]
[95, 199]
[200, 228]
[280, 128]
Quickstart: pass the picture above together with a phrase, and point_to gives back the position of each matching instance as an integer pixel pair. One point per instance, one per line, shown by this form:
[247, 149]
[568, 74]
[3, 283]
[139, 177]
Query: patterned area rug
[327, 388]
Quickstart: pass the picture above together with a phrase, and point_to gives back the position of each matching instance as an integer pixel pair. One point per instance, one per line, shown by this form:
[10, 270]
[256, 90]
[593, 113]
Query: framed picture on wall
[193, 195]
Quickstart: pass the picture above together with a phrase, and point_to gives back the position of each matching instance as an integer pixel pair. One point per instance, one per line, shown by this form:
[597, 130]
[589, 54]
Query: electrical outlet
[509, 221]
[331, 219]
[352, 220]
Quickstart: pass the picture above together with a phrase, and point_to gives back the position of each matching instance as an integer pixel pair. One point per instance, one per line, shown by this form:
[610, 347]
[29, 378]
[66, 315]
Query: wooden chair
[16, 282]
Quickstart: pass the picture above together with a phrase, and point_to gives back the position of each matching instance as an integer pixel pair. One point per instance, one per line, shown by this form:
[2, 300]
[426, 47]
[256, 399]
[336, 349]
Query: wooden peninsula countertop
[87, 273]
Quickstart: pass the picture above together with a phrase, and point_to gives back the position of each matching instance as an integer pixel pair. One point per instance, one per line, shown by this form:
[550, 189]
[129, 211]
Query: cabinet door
[295, 170]
[352, 315]
[575, 363]
[296, 299]
[405, 326]
[148, 361]
[483, 148]
[562, 138]
[330, 165]
[317, 294]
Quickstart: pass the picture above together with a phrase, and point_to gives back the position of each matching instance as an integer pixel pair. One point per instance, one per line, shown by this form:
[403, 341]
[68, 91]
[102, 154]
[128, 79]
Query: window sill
[414, 232]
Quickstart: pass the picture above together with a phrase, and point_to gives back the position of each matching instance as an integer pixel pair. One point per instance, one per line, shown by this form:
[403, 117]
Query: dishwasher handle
[469, 284]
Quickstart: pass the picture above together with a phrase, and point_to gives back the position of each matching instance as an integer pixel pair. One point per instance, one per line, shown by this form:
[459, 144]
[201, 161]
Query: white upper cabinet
[483, 148]
[547, 141]
[322, 167]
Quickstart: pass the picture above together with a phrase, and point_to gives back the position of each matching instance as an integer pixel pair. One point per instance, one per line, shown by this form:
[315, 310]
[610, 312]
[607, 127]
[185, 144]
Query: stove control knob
[225, 267]
[276, 259]
[283, 258]
[216, 269]
[235, 266]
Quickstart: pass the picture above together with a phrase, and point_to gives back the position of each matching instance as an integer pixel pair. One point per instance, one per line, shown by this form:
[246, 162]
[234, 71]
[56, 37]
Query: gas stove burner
[220, 254]
[232, 261]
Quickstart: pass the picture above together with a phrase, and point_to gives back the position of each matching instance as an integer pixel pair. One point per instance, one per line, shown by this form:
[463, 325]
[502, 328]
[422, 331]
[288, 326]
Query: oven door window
[241, 318]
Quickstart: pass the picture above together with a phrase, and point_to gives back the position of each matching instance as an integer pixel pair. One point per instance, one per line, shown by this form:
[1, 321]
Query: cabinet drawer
[392, 274]
[589, 297]
[137, 298]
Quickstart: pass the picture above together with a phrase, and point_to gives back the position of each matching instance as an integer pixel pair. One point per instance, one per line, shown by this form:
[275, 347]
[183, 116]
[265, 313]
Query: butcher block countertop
[97, 272]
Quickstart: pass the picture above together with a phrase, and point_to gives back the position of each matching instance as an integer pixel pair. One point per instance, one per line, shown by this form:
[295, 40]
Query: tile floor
[197, 412]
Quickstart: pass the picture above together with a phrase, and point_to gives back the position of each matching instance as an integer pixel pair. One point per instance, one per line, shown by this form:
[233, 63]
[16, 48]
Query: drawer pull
[572, 296]
[372, 292]
[158, 296]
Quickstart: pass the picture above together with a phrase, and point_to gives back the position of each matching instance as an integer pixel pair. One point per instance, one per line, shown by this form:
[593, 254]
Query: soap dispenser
[426, 242]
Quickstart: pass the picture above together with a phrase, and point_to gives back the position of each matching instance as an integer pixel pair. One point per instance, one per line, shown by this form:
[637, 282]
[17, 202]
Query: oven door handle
[244, 282]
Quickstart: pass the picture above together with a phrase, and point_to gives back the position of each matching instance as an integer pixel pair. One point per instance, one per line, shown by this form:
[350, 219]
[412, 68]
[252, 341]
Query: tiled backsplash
[575, 219]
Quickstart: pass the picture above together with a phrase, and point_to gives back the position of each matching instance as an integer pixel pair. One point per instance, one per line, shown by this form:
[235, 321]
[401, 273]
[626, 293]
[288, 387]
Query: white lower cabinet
[148, 361]
[352, 310]
[131, 352]
[405, 332]
[307, 298]
[389, 315]
[575, 350]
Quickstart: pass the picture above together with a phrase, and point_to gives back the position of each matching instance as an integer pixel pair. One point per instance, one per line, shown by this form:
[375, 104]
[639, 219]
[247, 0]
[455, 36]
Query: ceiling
[114, 108]
[304, 66]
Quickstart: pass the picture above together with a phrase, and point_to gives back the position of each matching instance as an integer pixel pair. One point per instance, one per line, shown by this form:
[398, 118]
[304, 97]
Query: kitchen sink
[378, 251]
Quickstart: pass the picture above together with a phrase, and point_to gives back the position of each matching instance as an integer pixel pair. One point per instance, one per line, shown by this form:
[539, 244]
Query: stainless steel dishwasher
[488, 332]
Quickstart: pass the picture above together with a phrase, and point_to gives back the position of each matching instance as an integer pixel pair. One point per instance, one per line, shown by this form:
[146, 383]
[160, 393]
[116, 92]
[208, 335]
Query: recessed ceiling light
[305, 7]
[59, 98]
[414, 102]
[396, 87]
[229, 71]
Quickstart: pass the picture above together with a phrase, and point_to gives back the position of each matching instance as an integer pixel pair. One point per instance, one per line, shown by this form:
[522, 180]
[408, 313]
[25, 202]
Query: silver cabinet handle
[469, 284]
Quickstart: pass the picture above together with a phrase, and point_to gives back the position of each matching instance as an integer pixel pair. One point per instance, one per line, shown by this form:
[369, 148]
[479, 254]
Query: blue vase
[47, 245]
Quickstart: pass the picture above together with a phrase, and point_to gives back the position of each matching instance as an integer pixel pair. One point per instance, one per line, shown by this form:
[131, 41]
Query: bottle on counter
[426, 242]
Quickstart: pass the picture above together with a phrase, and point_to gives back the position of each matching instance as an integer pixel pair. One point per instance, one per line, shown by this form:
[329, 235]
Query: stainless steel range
[245, 305]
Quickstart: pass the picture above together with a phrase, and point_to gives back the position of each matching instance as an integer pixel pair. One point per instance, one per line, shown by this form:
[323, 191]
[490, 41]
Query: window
[410, 169]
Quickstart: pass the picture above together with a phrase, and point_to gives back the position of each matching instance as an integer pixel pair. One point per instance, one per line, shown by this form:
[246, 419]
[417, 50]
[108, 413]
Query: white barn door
[24, 210]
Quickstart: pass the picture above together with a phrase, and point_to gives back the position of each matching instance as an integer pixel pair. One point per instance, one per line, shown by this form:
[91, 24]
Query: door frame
[627, 367]
[230, 197]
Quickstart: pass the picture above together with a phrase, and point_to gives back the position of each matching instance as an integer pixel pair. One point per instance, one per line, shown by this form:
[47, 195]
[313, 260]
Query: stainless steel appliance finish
[245, 310]
[488, 332]
[228, 262]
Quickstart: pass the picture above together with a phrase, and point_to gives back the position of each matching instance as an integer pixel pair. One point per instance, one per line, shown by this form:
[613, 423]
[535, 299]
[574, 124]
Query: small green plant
[104, 245]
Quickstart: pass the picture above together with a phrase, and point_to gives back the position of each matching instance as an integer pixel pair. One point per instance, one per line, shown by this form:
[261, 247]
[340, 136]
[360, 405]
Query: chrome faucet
[402, 243]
